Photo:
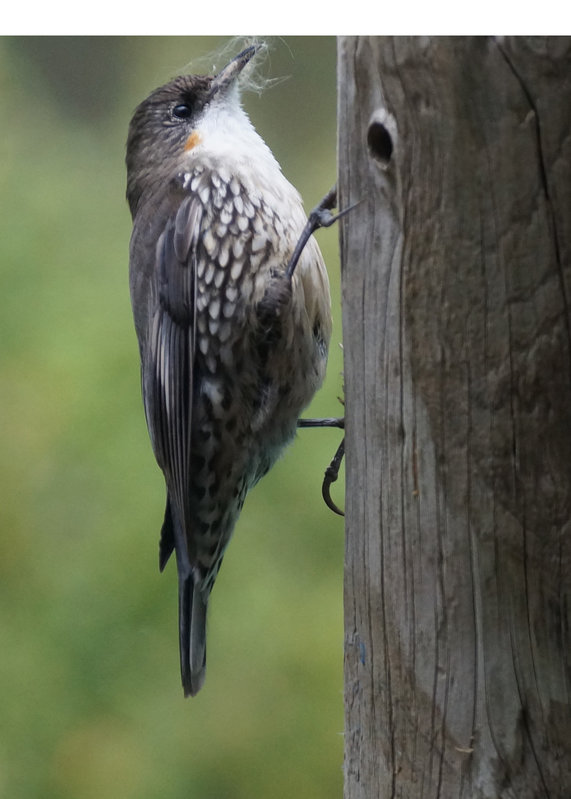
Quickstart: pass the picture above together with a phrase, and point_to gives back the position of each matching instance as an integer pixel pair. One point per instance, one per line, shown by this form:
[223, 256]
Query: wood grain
[456, 304]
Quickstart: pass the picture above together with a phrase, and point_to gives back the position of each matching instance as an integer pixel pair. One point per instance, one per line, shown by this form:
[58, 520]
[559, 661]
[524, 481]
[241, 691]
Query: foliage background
[90, 698]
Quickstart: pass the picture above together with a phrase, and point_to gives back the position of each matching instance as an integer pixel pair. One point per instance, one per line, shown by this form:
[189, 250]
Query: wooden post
[457, 344]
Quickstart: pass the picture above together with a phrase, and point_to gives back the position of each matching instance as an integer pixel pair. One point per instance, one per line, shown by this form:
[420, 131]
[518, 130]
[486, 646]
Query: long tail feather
[192, 635]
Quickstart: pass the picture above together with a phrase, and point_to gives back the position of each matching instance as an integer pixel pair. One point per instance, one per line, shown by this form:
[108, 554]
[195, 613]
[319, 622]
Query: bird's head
[191, 118]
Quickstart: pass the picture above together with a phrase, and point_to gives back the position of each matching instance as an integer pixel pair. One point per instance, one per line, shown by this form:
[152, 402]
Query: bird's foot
[321, 216]
[332, 471]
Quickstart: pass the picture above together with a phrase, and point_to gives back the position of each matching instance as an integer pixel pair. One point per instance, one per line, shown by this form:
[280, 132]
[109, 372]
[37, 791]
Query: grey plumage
[231, 349]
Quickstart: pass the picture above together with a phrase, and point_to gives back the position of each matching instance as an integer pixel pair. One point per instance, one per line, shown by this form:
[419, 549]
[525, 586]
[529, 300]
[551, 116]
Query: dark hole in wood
[380, 143]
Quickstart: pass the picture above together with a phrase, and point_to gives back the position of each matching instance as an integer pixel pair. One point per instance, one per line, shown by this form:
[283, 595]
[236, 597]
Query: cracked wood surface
[456, 294]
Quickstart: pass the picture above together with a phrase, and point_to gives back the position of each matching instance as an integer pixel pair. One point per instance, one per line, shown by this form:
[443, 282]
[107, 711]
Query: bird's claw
[332, 471]
[331, 475]
[321, 216]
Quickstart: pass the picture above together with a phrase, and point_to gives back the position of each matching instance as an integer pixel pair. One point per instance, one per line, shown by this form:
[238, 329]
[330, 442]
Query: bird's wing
[168, 364]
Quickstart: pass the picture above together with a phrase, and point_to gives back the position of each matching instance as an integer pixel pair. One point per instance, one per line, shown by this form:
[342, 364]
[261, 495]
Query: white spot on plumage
[258, 224]
[228, 309]
[236, 270]
[212, 389]
[238, 247]
[219, 278]
[226, 215]
[258, 243]
[224, 255]
[209, 273]
[214, 308]
[204, 193]
[210, 243]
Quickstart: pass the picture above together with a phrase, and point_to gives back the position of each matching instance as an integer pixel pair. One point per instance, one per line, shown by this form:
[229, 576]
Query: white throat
[228, 143]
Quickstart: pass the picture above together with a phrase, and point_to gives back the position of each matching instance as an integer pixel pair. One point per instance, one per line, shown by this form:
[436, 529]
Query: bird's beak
[228, 75]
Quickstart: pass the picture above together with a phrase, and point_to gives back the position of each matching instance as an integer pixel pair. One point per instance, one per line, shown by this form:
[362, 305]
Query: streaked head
[175, 119]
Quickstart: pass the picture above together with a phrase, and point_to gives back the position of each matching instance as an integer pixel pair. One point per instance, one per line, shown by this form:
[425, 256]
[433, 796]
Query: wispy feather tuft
[253, 77]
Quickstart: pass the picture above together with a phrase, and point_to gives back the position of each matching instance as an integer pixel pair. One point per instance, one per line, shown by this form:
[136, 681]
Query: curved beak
[227, 76]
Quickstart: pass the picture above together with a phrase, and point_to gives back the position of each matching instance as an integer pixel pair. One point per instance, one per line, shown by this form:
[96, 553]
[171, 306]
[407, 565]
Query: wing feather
[168, 366]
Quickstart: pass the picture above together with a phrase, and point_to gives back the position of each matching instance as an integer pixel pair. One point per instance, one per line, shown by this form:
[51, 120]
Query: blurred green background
[90, 697]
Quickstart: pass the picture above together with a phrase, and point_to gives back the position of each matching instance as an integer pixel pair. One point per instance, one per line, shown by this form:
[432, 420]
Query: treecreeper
[232, 346]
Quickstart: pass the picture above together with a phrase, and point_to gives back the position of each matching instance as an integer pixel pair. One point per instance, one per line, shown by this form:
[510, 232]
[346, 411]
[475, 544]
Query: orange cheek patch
[192, 141]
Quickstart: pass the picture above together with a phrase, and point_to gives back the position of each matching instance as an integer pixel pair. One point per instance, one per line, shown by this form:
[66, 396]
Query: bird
[232, 344]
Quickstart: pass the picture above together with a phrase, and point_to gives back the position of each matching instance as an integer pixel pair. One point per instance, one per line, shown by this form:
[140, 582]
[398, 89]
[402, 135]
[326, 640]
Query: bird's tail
[192, 634]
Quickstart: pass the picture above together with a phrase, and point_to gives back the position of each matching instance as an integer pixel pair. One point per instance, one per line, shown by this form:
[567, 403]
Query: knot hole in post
[381, 135]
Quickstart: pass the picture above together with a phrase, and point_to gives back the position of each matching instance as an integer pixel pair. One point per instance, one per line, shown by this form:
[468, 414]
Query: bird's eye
[182, 111]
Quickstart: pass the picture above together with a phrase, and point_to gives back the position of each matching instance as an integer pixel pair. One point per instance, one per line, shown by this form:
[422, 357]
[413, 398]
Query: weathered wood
[456, 293]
